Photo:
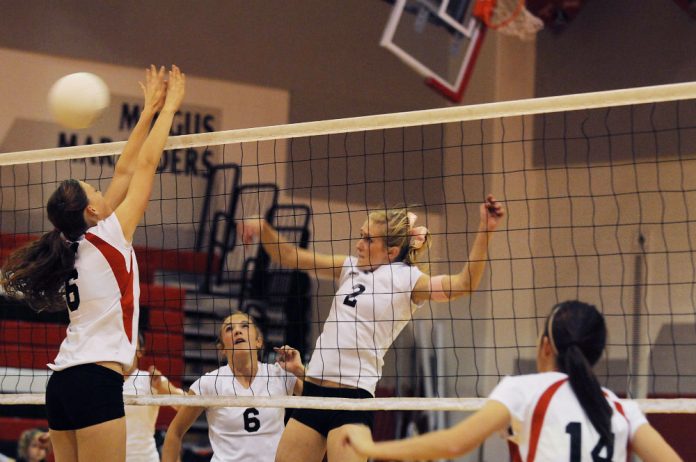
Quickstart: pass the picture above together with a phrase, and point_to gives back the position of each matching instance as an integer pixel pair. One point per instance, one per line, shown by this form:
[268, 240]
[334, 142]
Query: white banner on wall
[25, 123]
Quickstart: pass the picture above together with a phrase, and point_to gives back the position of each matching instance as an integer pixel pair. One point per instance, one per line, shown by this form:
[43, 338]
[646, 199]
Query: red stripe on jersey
[538, 417]
[124, 278]
[514, 452]
[619, 408]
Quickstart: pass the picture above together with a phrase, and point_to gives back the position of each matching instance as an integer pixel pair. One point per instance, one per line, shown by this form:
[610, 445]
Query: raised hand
[154, 88]
[249, 229]
[492, 213]
[289, 359]
[158, 381]
[176, 88]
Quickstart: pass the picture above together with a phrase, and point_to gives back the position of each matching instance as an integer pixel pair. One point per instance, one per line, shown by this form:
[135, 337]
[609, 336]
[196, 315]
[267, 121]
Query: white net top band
[551, 104]
[668, 406]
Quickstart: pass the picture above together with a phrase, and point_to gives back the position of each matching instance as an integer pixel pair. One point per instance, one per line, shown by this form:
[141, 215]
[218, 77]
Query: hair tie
[72, 245]
[417, 234]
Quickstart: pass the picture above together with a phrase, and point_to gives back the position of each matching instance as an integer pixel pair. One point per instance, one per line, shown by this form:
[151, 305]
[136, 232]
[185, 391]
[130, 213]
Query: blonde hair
[397, 234]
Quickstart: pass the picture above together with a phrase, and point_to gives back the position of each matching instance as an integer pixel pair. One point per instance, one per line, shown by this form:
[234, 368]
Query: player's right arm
[161, 383]
[289, 255]
[650, 446]
[131, 210]
[441, 444]
[185, 417]
[154, 91]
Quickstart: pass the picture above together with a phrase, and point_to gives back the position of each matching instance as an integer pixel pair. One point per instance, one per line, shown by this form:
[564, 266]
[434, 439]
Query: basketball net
[509, 17]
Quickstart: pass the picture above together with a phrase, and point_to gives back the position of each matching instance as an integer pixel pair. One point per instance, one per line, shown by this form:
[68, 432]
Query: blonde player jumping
[379, 290]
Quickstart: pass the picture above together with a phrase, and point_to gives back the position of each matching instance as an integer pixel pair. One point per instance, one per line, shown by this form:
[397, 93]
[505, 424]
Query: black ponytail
[38, 272]
[579, 335]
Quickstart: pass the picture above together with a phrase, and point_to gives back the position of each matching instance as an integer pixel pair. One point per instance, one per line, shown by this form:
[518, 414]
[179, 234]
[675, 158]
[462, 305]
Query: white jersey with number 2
[369, 311]
[549, 425]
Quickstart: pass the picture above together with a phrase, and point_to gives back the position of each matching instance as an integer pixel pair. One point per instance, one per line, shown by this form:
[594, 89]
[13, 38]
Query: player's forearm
[298, 371]
[436, 445]
[172, 446]
[283, 253]
[165, 387]
[152, 148]
[468, 280]
[452, 442]
[126, 163]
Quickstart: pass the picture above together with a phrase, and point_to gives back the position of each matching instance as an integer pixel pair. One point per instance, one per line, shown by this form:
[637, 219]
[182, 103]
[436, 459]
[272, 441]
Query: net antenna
[439, 39]
[509, 17]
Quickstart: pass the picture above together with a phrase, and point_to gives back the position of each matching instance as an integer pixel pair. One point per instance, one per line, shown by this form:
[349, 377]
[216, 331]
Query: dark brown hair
[38, 271]
[579, 335]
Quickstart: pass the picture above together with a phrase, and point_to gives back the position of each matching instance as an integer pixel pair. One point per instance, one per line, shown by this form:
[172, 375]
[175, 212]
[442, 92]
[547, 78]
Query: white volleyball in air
[77, 100]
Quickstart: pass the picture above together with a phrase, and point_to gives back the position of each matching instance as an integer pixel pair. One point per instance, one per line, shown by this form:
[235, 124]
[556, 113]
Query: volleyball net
[600, 193]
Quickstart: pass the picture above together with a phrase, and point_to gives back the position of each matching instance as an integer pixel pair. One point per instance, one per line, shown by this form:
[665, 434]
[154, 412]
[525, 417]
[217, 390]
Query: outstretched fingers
[176, 88]
[289, 359]
[154, 88]
[285, 353]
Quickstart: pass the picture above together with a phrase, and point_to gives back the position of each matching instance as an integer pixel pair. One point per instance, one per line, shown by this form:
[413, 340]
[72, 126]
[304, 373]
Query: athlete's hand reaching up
[249, 229]
[492, 213]
[289, 359]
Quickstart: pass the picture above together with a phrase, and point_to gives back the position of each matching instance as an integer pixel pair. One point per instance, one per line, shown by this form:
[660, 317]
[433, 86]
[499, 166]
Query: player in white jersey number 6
[87, 266]
[379, 289]
[240, 434]
[560, 414]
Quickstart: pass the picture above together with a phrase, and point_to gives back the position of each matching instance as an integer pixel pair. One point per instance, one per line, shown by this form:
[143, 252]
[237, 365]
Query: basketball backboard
[439, 39]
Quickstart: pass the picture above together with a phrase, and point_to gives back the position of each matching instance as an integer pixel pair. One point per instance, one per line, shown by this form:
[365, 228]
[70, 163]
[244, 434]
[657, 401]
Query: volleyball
[77, 100]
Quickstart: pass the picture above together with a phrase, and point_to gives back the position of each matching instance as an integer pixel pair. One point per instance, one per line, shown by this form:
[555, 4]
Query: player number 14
[574, 429]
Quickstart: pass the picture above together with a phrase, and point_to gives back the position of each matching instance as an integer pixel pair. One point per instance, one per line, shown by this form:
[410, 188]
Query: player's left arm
[154, 91]
[185, 417]
[451, 286]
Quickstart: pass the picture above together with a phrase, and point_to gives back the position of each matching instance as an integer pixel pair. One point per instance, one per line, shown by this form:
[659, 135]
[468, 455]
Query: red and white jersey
[369, 311]
[245, 434]
[549, 425]
[102, 297]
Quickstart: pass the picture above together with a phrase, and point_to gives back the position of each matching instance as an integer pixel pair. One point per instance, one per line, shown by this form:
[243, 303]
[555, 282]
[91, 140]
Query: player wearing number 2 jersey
[560, 414]
[379, 289]
[240, 434]
[87, 265]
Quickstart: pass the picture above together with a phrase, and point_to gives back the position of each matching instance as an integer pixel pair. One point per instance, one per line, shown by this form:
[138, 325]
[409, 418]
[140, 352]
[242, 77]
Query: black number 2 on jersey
[350, 298]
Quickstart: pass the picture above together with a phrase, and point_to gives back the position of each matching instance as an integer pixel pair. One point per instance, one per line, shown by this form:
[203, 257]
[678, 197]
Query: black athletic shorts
[85, 395]
[323, 421]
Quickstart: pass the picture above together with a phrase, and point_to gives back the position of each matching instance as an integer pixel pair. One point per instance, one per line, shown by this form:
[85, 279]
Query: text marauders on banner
[190, 161]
